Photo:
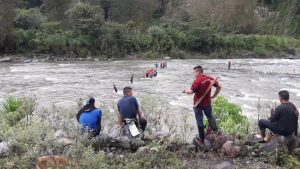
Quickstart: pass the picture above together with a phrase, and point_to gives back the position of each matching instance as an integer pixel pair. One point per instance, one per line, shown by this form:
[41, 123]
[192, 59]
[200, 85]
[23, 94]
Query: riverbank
[31, 58]
[28, 137]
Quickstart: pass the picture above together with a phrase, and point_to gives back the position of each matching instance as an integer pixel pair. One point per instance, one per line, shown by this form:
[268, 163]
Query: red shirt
[199, 86]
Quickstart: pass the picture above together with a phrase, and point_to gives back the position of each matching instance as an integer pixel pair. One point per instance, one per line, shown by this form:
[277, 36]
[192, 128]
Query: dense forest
[150, 28]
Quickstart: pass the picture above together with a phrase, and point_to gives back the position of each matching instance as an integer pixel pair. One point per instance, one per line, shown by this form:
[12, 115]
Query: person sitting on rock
[284, 120]
[90, 117]
[128, 108]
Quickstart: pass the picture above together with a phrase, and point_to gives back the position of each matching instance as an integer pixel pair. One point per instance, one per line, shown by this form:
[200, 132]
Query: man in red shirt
[201, 84]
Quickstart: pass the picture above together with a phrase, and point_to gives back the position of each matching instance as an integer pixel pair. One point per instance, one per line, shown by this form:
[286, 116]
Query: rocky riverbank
[31, 58]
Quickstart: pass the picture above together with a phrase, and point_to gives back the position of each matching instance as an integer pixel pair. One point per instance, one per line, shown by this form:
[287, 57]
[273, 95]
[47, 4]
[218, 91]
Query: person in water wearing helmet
[90, 117]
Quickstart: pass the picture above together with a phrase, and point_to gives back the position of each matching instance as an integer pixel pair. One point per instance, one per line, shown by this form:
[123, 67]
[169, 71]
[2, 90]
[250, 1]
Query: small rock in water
[6, 59]
[223, 165]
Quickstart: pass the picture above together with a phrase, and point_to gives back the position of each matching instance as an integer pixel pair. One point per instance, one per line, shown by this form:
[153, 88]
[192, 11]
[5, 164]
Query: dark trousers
[264, 124]
[199, 119]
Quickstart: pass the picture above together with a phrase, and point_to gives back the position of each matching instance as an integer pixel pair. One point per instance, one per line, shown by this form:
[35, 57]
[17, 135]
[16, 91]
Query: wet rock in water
[6, 59]
[27, 61]
[223, 165]
[221, 139]
[231, 150]
[3, 149]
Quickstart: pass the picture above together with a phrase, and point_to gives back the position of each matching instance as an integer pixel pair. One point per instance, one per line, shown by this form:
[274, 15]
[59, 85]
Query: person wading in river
[201, 87]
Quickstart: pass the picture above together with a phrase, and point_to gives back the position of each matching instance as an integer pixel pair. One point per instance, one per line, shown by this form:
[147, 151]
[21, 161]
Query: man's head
[127, 91]
[283, 96]
[91, 101]
[198, 71]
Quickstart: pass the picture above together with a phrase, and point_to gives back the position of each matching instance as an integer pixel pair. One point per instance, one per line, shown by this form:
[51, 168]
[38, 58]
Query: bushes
[229, 117]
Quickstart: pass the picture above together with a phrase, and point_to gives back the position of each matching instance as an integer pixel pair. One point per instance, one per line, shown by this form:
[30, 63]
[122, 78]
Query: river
[248, 81]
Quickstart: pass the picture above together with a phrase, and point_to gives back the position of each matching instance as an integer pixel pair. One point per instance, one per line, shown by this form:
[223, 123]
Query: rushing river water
[63, 83]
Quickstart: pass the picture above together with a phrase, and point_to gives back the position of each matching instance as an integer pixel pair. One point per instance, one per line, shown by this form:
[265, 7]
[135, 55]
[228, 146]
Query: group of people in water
[283, 119]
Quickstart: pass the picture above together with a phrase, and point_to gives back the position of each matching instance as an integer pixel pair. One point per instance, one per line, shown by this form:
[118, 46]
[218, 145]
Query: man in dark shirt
[128, 108]
[201, 84]
[284, 121]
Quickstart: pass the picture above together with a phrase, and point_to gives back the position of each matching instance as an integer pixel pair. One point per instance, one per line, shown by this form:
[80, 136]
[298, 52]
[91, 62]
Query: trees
[6, 24]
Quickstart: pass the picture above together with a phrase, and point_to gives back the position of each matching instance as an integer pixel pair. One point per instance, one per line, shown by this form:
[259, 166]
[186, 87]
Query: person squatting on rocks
[201, 85]
[90, 118]
[128, 108]
[283, 121]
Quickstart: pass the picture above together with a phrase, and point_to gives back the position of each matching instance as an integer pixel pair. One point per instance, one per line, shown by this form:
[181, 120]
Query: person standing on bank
[201, 88]
[128, 108]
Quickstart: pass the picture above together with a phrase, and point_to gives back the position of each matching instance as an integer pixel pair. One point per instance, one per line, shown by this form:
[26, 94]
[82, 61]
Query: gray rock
[60, 134]
[161, 135]
[224, 165]
[231, 150]
[6, 59]
[220, 140]
[143, 149]
[297, 152]
[27, 61]
[3, 149]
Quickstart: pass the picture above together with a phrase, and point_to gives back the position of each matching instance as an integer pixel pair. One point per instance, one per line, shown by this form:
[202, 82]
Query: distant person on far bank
[201, 88]
[283, 121]
[128, 108]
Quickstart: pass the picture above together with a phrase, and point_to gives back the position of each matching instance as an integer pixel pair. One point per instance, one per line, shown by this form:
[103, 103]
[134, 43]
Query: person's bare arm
[138, 111]
[120, 119]
[217, 91]
[188, 91]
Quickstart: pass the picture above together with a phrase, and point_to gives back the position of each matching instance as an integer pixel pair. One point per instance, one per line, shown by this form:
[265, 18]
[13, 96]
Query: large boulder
[231, 150]
[277, 141]
[221, 139]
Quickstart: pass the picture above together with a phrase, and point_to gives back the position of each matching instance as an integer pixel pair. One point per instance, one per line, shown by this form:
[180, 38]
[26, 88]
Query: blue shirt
[90, 119]
[128, 106]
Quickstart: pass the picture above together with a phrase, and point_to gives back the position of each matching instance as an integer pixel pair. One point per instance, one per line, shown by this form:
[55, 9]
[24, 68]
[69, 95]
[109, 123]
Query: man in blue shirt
[128, 107]
[90, 117]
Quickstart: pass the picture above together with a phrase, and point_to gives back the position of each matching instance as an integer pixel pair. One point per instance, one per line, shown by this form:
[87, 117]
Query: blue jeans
[199, 118]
